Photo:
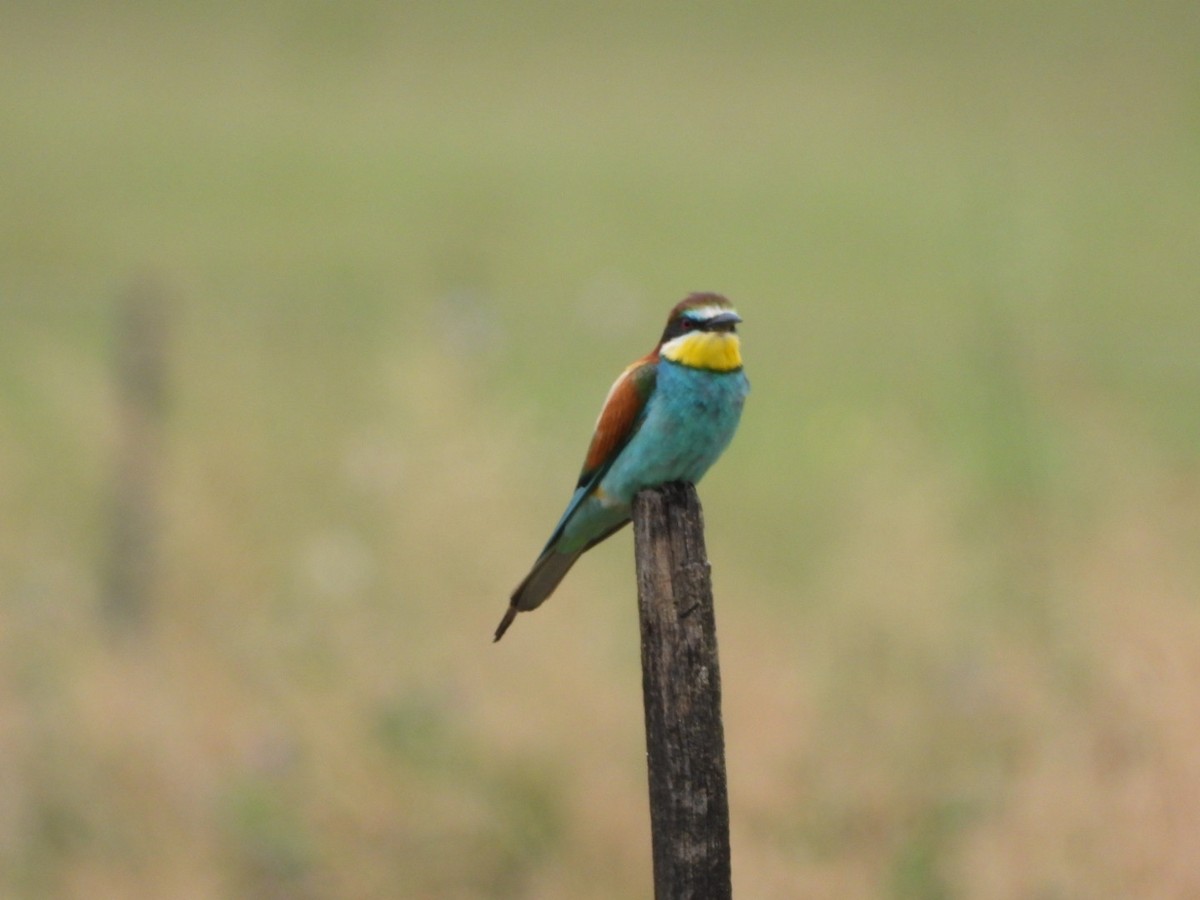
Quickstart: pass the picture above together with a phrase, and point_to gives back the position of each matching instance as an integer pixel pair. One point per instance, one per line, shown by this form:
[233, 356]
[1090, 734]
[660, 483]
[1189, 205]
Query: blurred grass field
[404, 250]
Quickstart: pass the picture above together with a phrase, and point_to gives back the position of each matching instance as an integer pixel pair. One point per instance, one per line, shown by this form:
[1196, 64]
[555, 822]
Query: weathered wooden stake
[681, 686]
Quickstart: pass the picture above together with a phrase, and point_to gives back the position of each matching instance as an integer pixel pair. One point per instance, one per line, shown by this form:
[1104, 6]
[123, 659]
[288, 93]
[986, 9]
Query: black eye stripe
[682, 325]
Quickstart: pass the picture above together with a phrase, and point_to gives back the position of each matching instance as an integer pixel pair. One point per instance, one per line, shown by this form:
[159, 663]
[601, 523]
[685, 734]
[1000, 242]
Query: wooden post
[681, 686]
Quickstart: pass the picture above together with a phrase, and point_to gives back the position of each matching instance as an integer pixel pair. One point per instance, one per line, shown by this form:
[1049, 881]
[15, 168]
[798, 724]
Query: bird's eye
[687, 324]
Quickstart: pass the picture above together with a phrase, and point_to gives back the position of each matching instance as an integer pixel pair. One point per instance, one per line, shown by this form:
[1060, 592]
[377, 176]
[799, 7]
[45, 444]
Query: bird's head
[701, 333]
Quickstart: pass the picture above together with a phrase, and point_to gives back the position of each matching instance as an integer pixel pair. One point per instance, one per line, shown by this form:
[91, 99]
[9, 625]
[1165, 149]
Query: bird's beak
[726, 321]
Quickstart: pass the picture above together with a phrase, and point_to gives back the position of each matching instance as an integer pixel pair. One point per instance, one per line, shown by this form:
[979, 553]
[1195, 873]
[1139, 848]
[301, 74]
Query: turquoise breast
[689, 421]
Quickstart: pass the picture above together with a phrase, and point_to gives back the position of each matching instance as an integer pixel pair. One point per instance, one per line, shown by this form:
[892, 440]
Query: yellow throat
[716, 351]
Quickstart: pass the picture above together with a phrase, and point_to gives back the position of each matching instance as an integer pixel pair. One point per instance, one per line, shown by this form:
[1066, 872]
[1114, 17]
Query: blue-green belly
[689, 421]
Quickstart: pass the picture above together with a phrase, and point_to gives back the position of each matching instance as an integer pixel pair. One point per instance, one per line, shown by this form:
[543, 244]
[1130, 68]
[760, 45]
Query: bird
[667, 417]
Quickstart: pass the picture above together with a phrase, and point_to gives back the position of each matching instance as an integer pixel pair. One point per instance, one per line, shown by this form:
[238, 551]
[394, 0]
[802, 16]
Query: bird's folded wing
[619, 421]
[620, 417]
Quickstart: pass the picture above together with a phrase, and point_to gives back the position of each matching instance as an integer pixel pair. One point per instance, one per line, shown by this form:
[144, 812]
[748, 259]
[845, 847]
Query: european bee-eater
[666, 418]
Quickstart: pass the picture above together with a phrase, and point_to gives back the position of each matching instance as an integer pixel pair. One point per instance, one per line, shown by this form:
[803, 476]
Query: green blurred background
[392, 257]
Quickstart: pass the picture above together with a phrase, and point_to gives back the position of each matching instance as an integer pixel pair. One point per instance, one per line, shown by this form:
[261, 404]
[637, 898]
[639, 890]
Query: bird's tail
[551, 567]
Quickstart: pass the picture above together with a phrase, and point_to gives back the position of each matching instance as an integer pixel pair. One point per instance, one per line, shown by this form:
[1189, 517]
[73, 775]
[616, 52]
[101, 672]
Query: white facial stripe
[704, 313]
[671, 347]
